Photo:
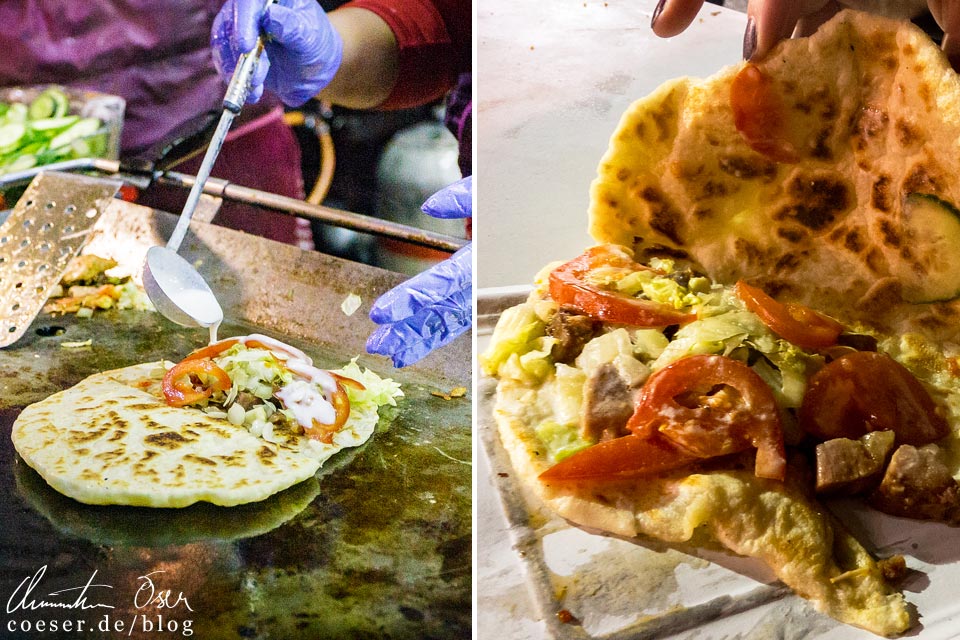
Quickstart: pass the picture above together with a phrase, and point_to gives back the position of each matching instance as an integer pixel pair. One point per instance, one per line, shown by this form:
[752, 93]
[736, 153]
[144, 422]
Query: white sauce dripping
[301, 397]
[201, 306]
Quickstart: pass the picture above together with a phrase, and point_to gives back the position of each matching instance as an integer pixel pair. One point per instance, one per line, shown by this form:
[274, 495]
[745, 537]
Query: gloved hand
[436, 306]
[302, 50]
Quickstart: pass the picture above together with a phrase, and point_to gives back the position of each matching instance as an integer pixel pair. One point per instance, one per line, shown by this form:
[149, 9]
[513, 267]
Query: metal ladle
[173, 284]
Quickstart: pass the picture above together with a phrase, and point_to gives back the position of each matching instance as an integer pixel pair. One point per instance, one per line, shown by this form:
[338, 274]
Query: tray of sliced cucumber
[44, 124]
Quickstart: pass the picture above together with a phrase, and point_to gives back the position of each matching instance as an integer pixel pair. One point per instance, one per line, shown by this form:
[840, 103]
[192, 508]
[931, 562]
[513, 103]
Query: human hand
[770, 21]
[302, 50]
[434, 307]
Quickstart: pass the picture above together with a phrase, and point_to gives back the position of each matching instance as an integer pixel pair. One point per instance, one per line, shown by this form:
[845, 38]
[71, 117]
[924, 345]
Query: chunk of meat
[917, 484]
[853, 466]
[608, 402]
[572, 331]
[893, 569]
[86, 269]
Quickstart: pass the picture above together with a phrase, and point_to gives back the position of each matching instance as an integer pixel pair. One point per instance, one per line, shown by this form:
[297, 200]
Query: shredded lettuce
[615, 347]
[517, 333]
[793, 365]
[377, 391]
[255, 371]
[659, 289]
[719, 334]
[533, 366]
[133, 297]
[561, 440]
[648, 344]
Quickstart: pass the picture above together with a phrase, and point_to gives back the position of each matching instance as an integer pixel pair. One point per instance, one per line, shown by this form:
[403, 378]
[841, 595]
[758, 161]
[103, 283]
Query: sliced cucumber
[11, 134]
[930, 266]
[81, 148]
[41, 107]
[52, 103]
[21, 163]
[84, 127]
[16, 113]
[51, 124]
[60, 101]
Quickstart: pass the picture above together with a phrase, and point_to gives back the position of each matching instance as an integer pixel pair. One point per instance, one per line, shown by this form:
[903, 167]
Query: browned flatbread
[774, 522]
[875, 110]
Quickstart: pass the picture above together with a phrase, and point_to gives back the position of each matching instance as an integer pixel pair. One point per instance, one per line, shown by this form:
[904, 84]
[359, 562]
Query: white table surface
[553, 79]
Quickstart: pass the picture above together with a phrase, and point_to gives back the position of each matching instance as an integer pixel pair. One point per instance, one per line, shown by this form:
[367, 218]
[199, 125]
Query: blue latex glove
[301, 55]
[434, 307]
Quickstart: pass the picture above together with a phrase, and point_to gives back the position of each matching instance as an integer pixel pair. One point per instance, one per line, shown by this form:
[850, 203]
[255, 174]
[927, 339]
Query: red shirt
[434, 37]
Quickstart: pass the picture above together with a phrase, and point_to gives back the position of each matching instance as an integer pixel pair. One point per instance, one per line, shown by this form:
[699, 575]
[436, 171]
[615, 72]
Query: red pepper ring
[211, 350]
[350, 382]
[341, 405]
[193, 380]
[568, 287]
[215, 349]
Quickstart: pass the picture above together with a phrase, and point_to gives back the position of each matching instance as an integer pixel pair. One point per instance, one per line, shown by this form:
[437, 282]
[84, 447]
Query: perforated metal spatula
[46, 228]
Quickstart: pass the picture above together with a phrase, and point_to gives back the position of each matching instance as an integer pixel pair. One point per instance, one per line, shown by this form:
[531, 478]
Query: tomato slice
[711, 405]
[793, 322]
[341, 404]
[867, 391]
[193, 380]
[760, 116]
[212, 350]
[618, 459]
[568, 287]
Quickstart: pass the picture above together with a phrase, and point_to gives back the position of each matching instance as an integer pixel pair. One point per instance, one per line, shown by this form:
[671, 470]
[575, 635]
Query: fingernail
[750, 38]
[657, 12]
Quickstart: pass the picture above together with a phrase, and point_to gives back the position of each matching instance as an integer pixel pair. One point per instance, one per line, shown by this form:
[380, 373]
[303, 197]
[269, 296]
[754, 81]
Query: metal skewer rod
[337, 217]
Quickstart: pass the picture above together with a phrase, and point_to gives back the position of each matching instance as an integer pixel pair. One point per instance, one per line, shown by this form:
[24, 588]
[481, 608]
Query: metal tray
[532, 564]
[378, 545]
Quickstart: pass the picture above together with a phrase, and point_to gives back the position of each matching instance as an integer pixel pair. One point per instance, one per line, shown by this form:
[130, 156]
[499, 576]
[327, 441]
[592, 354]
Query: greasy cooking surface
[383, 547]
[379, 547]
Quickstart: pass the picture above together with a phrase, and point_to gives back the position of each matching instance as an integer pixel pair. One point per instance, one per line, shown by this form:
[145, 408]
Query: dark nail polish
[657, 12]
[750, 38]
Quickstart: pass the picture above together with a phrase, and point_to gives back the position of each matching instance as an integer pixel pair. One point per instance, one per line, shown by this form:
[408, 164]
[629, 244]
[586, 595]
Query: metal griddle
[378, 545]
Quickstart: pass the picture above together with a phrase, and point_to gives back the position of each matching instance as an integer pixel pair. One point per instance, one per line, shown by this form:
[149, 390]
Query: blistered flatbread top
[111, 439]
[876, 108]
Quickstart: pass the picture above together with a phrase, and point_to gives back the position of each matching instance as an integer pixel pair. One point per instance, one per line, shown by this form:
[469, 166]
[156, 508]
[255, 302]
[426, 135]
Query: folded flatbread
[114, 439]
[859, 220]
[826, 174]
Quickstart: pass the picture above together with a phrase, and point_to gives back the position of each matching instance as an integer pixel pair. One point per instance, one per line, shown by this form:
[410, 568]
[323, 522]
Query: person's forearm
[368, 73]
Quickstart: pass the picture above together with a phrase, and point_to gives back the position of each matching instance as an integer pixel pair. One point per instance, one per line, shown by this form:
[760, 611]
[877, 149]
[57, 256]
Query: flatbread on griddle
[146, 527]
[873, 108]
[111, 439]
